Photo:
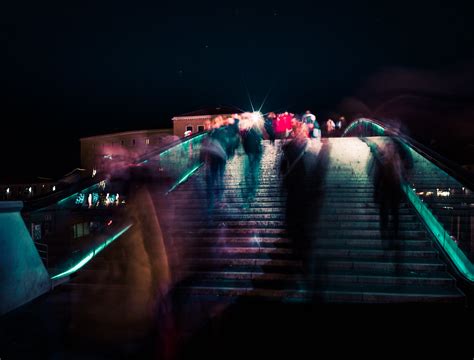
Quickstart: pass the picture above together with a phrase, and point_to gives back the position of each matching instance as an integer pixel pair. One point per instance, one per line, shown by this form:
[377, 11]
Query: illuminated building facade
[99, 152]
[198, 121]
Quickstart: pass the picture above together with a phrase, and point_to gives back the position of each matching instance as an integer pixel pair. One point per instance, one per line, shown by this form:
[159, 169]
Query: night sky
[79, 68]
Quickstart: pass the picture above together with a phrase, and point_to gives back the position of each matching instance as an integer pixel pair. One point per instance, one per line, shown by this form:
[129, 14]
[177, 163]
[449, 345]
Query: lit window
[147, 141]
[54, 188]
[80, 230]
[8, 190]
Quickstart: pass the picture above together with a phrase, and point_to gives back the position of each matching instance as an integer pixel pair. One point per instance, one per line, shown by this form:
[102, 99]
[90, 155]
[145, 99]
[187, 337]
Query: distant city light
[8, 190]
[30, 190]
[54, 188]
[94, 172]
[442, 193]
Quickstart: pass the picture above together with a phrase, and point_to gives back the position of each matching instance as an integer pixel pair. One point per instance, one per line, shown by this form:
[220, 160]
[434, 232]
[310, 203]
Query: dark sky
[78, 68]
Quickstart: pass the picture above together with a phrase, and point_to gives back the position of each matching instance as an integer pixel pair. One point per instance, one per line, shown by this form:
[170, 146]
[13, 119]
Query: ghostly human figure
[390, 165]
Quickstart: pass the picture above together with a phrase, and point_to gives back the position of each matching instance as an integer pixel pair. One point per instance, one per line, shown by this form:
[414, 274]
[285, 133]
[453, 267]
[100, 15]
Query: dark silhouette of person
[252, 144]
[298, 168]
[213, 153]
[269, 126]
[391, 162]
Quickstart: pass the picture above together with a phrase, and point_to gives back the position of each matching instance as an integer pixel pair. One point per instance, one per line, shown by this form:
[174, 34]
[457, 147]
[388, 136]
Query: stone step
[225, 205]
[367, 234]
[394, 294]
[408, 244]
[280, 224]
[268, 201]
[419, 265]
[340, 203]
[295, 281]
[288, 253]
[349, 277]
[323, 233]
[234, 216]
[225, 210]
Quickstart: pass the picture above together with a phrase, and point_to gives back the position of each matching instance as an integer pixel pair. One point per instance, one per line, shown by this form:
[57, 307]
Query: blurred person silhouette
[330, 127]
[233, 135]
[310, 120]
[252, 137]
[391, 162]
[270, 126]
[214, 155]
[340, 125]
[299, 165]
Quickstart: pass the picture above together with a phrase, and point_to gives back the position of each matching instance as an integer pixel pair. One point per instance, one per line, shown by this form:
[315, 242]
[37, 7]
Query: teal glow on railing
[459, 259]
[74, 195]
[379, 130]
[184, 177]
[178, 163]
[441, 235]
[90, 255]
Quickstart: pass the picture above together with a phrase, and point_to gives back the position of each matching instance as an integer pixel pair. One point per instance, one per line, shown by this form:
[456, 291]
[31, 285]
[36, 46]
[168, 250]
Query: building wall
[181, 123]
[96, 151]
[197, 123]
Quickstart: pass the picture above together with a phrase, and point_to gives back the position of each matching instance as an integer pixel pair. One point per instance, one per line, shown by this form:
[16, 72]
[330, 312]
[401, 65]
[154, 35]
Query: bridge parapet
[24, 277]
[440, 190]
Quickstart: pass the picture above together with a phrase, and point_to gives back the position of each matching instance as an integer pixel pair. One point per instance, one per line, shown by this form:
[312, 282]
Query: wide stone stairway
[235, 245]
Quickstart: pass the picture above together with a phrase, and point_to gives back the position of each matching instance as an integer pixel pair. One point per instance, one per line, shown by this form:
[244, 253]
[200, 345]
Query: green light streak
[184, 178]
[442, 237]
[459, 259]
[182, 143]
[366, 122]
[90, 255]
[89, 189]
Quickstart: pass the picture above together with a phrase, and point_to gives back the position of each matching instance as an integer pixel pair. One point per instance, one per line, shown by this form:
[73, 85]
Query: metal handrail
[52, 198]
[461, 263]
[450, 167]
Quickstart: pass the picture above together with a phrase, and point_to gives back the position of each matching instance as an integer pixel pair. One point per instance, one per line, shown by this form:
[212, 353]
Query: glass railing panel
[450, 202]
[78, 226]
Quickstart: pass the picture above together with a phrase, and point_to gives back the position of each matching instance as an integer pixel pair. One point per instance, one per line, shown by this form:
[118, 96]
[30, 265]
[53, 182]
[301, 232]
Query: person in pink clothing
[330, 127]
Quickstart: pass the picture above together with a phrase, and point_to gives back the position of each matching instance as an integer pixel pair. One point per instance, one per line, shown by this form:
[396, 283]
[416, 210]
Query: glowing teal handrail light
[184, 177]
[367, 122]
[459, 259]
[91, 254]
[440, 234]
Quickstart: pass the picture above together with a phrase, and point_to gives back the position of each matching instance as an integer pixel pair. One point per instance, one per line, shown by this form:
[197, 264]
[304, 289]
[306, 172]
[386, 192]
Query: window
[133, 142]
[80, 230]
[122, 142]
[189, 128]
[147, 141]
[200, 128]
